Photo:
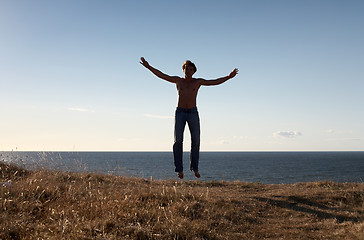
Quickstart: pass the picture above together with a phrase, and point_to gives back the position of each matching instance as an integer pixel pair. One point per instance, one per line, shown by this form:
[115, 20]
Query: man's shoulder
[199, 80]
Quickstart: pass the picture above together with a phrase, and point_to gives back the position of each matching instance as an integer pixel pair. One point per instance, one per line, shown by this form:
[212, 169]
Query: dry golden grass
[59, 205]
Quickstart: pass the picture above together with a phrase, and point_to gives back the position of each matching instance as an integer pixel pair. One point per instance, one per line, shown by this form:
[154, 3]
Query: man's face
[189, 71]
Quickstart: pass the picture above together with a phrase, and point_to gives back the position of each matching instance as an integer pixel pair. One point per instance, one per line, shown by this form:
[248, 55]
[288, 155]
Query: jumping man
[186, 111]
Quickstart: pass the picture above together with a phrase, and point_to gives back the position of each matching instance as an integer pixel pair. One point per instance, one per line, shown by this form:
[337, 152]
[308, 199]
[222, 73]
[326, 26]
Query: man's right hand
[157, 72]
[144, 62]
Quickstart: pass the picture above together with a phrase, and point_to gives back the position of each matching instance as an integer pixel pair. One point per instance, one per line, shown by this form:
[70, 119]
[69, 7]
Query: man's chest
[191, 86]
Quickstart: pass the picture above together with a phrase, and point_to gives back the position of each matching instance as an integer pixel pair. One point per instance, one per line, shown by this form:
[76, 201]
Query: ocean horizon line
[167, 151]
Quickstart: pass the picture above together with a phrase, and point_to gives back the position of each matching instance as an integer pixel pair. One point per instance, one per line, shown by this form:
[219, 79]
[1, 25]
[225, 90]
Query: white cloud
[355, 139]
[332, 131]
[287, 134]
[80, 109]
[158, 116]
[346, 139]
[240, 137]
[223, 142]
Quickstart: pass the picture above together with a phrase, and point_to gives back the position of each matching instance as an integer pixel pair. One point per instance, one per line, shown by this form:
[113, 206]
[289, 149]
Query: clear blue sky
[70, 77]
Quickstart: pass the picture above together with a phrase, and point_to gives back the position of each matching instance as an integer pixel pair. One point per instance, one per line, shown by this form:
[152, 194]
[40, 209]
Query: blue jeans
[190, 116]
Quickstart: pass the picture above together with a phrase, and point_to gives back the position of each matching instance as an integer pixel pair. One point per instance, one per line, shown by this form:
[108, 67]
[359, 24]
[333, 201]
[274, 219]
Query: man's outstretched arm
[157, 72]
[219, 80]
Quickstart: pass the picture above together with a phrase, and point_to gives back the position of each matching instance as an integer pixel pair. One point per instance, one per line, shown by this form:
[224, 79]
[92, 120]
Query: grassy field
[61, 205]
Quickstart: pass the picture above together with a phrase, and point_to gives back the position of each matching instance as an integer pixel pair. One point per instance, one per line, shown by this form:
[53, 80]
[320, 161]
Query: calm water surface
[264, 167]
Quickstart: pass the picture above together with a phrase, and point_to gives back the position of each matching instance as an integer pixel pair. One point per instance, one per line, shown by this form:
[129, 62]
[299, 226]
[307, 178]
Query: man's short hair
[188, 63]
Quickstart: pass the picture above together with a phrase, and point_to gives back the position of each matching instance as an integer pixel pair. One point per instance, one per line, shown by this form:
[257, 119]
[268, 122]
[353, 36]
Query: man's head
[189, 68]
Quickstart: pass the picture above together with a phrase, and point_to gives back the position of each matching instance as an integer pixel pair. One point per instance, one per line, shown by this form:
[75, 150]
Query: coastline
[64, 205]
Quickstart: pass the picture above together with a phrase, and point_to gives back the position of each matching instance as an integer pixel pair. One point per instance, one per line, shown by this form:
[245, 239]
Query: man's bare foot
[180, 175]
[197, 174]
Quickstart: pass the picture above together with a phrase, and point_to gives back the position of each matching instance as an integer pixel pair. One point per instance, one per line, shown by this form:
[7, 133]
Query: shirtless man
[186, 111]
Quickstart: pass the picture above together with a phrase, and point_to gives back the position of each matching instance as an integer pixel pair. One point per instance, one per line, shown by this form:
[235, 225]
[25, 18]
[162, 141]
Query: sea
[262, 167]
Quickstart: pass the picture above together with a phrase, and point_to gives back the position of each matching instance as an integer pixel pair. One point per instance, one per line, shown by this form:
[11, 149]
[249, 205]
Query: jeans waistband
[187, 110]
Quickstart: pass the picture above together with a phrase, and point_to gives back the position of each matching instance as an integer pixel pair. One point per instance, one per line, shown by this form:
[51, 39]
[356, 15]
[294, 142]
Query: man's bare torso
[187, 92]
